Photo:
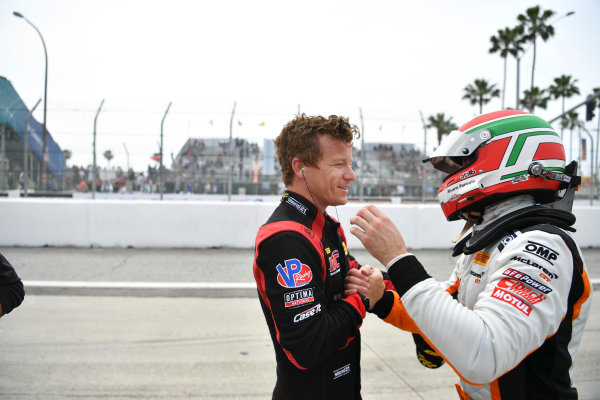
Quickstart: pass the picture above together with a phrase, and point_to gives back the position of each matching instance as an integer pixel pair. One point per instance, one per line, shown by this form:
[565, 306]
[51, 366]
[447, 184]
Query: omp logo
[541, 251]
[338, 373]
[299, 297]
[294, 274]
[526, 279]
[334, 265]
[534, 265]
[307, 314]
[506, 297]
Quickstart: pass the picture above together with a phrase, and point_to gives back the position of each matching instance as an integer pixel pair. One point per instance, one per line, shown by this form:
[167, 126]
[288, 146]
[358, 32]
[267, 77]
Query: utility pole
[230, 178]
[363, 155]
[423, 190]
[25, 143]
[94, 151]
[160, 170]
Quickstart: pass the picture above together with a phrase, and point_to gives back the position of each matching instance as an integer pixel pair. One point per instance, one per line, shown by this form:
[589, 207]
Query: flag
[156, 157]
[262, 124]
[583, 149]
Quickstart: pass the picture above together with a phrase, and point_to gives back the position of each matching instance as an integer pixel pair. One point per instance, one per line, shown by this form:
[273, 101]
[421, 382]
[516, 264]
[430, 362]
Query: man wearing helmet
[510, 318]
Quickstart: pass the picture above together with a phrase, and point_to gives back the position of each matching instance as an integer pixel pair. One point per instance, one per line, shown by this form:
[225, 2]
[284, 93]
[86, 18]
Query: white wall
[201, 224]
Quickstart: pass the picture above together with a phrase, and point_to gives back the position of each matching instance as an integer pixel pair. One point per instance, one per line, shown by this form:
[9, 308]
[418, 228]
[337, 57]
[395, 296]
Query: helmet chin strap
[471, 217]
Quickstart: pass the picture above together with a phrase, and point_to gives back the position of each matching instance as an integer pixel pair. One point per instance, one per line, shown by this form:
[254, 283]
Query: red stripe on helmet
[550, 151]
[489, 117]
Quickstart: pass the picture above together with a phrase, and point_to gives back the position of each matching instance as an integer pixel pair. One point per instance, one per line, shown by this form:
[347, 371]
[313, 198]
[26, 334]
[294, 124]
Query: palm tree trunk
[504, 83]
[532, 74]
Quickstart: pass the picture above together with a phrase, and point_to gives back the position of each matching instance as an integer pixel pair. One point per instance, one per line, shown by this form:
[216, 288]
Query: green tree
[535, 98]
[67, 154]
[441, 124]
[563, 87]
[480, 92]
[535, 24]
[572, 122]
[508, 42]
[109, 156]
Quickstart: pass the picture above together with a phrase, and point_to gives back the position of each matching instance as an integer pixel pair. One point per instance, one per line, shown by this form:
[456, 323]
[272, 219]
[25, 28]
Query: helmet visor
[461, 144]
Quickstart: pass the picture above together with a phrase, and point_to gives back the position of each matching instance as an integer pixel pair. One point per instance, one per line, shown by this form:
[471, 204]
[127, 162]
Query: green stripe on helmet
[516, 151]
[514, 123]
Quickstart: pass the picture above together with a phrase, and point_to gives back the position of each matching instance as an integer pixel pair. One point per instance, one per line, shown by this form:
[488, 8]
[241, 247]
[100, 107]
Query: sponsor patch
[311, 312]
[506, 297]
[299, 297]
[299, 206]
[521, 290]
[334, 264]
[482, 258]
[505, 241]
[338, 373]
[534, 265]
[541, 251]
[526, 279]
[294, 274]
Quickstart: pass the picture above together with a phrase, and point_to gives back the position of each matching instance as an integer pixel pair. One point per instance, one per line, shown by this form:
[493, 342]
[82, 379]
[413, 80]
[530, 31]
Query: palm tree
[563, 87]
[441, 124]
[109, 156]
[534, 98]
[481, 92]
[571, 122]
[534, 22]
[508, 42]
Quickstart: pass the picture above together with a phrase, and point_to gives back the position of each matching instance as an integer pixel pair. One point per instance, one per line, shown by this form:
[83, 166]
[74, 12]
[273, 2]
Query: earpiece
[302, 170]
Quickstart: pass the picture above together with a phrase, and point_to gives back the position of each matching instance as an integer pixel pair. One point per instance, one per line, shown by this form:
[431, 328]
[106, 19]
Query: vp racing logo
[294, 274]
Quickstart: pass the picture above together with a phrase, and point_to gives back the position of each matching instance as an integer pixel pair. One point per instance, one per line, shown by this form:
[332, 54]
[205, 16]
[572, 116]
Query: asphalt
[186, 324]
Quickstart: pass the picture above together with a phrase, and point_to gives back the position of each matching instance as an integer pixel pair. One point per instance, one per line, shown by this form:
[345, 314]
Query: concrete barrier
[202, 224]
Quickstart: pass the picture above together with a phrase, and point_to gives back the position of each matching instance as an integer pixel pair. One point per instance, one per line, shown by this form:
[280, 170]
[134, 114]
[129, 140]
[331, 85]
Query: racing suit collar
[498, 210]
[300, 204]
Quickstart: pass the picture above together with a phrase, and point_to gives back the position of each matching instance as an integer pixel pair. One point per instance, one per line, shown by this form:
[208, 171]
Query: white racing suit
[510, 318]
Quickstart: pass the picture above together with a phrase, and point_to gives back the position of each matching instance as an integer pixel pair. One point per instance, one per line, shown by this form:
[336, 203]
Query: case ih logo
[294, 274]
[307, 314]
[541, 251]
[334, 265]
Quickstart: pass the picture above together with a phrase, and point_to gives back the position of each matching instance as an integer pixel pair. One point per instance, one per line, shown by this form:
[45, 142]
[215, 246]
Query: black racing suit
[300, 263]
[11, 287]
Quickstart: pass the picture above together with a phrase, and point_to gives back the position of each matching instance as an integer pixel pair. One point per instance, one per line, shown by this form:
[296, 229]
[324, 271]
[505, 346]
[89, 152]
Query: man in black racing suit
[301, 261]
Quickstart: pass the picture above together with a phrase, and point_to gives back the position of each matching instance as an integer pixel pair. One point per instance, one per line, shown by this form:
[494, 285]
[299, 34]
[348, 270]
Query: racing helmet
[496, 156]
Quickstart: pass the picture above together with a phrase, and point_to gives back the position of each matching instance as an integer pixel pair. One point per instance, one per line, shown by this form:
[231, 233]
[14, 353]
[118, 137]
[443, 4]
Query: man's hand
[367, 281]
[357, 281]
[378, 234]
[376, 288]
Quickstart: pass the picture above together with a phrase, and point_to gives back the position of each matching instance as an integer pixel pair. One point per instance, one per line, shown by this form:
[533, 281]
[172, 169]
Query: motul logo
[512, 300]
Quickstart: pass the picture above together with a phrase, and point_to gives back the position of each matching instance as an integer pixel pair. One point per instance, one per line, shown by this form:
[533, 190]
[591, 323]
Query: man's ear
[298, 167]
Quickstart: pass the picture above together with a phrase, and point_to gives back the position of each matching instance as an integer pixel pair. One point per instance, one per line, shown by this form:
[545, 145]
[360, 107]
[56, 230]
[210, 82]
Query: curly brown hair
[300, 138]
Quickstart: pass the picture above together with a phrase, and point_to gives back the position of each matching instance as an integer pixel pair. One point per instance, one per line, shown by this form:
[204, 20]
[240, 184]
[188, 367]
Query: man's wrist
[397, 258]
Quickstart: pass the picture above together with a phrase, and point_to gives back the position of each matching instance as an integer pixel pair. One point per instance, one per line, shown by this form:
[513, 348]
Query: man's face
[329, 181]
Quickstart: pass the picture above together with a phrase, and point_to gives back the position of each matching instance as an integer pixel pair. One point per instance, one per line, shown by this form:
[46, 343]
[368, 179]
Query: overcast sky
[393, 59]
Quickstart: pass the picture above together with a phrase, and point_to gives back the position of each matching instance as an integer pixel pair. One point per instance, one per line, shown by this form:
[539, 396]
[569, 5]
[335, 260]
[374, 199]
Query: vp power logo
[541, 251]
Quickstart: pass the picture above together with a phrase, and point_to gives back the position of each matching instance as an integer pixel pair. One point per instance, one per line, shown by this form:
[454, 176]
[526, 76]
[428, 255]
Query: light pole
[25, 134]
[44, 155]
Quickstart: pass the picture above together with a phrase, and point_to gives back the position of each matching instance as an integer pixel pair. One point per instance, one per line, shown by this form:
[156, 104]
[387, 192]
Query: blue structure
[13, 113]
